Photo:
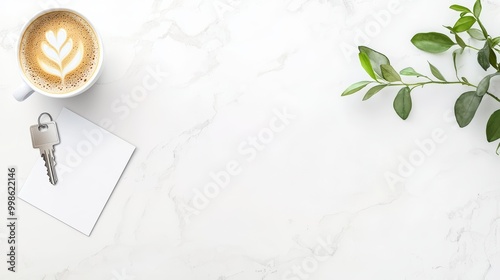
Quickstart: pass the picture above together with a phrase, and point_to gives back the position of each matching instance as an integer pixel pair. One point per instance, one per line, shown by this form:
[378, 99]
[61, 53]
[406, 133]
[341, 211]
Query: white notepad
[90, 161]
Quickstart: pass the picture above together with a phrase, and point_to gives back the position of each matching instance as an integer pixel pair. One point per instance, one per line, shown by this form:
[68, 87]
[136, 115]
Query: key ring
[44, 125]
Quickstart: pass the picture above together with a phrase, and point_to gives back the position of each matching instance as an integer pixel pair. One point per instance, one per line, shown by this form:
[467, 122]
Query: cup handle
[22, 92]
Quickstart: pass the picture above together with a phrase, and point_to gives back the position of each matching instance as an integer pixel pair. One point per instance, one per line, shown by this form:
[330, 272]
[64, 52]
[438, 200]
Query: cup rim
[77, 91]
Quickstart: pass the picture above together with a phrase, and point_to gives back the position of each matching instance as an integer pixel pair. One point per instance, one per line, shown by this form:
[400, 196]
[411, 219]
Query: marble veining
[249, 164]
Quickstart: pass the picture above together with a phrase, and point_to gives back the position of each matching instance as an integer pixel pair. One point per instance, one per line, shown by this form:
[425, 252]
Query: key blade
[44, 137]
[48, 157]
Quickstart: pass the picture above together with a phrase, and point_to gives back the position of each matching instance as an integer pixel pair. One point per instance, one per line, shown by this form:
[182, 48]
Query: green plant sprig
[383, 74]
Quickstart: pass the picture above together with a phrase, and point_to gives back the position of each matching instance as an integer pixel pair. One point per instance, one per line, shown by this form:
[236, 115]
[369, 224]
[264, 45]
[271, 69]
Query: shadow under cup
[59, 54]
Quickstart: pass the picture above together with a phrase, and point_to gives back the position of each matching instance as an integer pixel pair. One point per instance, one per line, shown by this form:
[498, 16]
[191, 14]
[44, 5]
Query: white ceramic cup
[27, 88]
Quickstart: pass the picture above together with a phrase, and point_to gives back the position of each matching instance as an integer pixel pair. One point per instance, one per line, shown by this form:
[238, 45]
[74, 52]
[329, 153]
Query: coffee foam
[59, 52]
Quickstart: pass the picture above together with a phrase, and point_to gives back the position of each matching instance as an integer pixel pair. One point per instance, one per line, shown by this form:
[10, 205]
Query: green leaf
[484, 84]
[493, 127]
[459, 8]
[365, 63]
[466, 107]
[402, 103]
[483, 57]
[356, 87]
[478, 8]
[410, 72]
[436, 72]
[476, 34]
[389, 74]
[464, 24]
[460, 42]
[465, 79]
[495, 41]
[493, 59]
[374, 90]
[449, 28]
[432, 42]
[376, 59]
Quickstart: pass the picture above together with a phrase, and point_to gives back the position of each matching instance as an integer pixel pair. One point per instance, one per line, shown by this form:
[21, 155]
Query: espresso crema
[59, 52]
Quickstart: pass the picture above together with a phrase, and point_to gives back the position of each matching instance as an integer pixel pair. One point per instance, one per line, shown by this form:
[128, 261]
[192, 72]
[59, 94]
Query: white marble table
[249, 164]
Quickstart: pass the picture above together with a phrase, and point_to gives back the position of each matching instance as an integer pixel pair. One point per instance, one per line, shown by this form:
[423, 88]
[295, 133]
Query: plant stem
[485, 33]
[493, 96]
[471, 47]
[415, 85]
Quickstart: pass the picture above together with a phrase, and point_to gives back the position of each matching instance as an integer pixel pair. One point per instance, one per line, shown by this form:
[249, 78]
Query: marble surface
[249, 164]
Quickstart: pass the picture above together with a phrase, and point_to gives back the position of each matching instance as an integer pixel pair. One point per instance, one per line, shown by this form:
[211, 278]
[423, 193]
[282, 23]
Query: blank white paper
[90, 161]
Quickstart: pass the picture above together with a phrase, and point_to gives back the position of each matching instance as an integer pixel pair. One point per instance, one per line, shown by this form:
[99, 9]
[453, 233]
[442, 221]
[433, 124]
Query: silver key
[44, 136]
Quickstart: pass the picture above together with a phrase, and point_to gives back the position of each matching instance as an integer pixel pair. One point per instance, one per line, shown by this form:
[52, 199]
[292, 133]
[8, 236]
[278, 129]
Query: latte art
[56, 49]
[59, 52]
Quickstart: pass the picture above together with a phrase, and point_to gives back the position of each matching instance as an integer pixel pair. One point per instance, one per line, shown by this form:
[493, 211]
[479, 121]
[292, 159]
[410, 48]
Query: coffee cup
[59, 54]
